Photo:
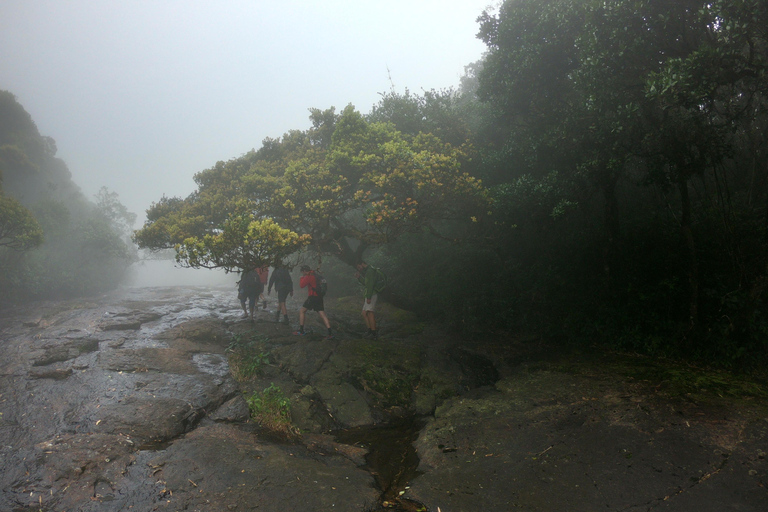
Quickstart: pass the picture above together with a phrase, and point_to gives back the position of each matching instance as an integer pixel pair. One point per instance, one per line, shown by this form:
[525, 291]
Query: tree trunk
[692, 263]
[341, 248]
[612, 228]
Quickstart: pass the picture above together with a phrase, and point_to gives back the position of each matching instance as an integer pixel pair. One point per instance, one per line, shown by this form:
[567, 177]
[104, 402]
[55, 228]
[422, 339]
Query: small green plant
[247, 358]
[272, 410]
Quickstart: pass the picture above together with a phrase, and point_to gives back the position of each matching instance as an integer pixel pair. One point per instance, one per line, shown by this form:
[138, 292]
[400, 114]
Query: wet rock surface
[129, 402]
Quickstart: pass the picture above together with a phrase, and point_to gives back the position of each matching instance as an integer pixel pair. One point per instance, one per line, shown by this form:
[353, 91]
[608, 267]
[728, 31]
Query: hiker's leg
[325, 319]
[302, 315]
[252, 304]
[369, 305]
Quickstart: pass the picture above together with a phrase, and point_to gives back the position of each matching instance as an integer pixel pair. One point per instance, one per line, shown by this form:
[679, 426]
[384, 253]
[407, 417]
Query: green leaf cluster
[272, 410]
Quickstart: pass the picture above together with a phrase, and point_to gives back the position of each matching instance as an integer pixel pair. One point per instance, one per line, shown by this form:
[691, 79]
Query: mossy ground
[248, 354]
[388, 370]
[671, 379]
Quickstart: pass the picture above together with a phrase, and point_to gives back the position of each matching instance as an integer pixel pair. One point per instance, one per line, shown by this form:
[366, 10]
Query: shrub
[272, 410]
[247, 358]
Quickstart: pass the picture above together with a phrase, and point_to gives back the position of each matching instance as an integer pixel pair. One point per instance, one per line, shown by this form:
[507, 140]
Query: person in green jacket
[368, 276]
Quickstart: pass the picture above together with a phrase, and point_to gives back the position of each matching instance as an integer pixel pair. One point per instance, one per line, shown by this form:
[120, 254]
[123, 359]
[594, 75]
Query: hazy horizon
[140, 96]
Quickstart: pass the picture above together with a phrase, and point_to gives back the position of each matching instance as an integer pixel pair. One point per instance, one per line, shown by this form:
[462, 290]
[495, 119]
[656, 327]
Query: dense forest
[599, 177]
[54, 242]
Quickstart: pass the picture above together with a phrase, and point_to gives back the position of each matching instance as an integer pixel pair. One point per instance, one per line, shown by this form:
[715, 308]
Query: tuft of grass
[272, 410]
[248, 356]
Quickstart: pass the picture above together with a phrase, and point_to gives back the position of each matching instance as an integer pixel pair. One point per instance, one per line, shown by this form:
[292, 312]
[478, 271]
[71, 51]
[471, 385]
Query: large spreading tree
[341, 187]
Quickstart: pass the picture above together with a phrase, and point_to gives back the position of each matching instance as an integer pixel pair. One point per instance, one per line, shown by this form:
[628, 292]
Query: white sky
[140, 95]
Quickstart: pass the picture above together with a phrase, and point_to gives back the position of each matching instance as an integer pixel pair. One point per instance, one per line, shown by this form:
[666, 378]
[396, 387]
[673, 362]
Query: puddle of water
[213, 364]
[391, 459]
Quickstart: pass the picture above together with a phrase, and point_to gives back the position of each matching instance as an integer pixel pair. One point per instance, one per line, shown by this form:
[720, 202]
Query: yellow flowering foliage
[243, 242]
[371, 184]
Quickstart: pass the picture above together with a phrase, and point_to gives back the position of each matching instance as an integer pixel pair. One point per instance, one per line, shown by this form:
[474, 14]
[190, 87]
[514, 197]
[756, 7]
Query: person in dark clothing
[281, 279]
[249, 287]
[314, 301]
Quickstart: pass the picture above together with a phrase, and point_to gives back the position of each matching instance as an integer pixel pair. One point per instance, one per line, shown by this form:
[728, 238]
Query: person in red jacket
[314, 301]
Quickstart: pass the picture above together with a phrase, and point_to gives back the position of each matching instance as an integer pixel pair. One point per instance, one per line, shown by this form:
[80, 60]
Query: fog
[141, 95]
[149, 273]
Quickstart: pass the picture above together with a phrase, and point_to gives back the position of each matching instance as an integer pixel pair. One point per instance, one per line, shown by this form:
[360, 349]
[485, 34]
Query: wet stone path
[128, 402]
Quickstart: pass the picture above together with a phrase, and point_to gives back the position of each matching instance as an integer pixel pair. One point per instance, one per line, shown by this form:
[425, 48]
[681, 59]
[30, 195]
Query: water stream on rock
[391, 459]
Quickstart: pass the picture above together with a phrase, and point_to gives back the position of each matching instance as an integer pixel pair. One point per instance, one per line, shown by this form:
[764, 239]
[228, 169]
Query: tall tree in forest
[535, 155]
[697, 101]
[586, 87]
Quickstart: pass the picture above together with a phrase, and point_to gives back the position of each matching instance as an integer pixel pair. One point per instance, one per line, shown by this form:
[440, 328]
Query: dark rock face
[551, 441]
[131, 403]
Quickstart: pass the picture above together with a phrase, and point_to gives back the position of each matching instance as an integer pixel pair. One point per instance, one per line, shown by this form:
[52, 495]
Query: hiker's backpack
[381, 281]
[321, 285]
[250, 281]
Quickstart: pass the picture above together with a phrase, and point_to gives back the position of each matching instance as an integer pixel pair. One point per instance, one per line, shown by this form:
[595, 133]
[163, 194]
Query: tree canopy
[658, 107]
[365, 185]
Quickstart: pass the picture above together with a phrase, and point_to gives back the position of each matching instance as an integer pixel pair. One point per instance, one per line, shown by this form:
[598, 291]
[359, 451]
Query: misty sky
[140, 95]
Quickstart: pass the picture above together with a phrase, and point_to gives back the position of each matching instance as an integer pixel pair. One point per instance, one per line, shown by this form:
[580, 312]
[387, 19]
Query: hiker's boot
[375, 334]
[285, 319]
[277, 316]
[265, 306]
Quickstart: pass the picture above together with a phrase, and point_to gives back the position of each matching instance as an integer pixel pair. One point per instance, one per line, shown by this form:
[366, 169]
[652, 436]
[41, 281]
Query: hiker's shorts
[314, 303]
[282, 295]
[372, 305]
[248, 295]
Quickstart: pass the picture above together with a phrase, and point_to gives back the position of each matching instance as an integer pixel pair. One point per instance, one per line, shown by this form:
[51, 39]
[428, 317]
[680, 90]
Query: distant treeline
[54, 242]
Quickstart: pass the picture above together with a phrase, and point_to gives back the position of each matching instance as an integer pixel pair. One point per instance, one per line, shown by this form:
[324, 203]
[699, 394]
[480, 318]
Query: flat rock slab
[222, 468]
[544, 441]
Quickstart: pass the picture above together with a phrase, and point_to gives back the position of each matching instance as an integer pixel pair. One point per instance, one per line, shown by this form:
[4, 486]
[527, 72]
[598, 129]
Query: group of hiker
[253, 282]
